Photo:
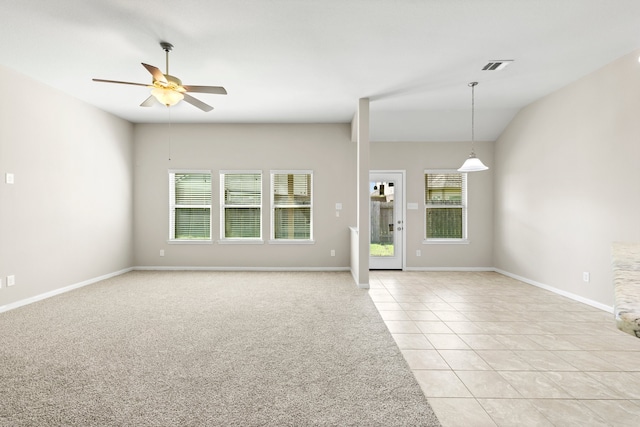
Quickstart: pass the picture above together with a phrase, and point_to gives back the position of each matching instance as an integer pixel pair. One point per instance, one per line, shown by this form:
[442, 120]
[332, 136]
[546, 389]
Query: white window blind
[189, 205]
[292, 205]
[241, 205]
[445, 205]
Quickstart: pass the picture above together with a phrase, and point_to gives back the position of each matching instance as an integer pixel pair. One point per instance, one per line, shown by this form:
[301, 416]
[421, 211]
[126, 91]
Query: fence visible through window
[445, 205]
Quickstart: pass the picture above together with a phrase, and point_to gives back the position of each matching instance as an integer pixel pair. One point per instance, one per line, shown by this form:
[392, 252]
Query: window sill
[190, 242]
[291, 242]
[241, 242]
[446, 242]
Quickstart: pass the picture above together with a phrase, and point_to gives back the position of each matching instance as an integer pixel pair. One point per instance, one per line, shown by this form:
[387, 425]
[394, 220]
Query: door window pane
[382, 243]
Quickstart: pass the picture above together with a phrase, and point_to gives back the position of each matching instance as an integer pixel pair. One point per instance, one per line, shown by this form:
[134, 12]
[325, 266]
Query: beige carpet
[206, 348]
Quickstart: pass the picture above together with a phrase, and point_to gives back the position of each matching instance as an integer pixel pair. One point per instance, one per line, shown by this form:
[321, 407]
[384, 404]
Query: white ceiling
[296, 61]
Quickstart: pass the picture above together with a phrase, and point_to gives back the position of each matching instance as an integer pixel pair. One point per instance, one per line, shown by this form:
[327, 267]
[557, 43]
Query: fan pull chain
[170, 132]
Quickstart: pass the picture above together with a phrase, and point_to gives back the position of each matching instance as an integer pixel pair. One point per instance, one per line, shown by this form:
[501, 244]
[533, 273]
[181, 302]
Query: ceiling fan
[168, 89]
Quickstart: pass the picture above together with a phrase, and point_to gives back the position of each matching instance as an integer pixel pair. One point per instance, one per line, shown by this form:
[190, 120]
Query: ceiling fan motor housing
[173, 83]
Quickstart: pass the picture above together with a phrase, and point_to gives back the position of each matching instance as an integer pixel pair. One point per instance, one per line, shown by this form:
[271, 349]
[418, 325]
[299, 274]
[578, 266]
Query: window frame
[173, 206]
[223, 206]
[274, 206]
[464, 206]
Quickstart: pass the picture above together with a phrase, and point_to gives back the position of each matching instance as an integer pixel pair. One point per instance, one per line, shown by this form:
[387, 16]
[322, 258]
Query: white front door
[386, 228]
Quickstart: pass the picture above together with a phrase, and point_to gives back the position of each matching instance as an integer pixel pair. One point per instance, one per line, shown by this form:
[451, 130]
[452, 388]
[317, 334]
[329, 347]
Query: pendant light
[472, 164]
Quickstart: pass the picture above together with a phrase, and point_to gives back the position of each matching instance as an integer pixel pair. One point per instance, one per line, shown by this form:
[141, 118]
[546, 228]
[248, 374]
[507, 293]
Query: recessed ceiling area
[286, 61]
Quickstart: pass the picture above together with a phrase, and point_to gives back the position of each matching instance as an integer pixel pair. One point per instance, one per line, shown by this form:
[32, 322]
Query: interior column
[363, 191]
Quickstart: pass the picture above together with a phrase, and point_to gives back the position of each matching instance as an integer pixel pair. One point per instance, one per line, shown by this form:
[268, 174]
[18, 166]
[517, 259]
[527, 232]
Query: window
[291, 205]
[241, 205]
[190, 205]
[445, 201]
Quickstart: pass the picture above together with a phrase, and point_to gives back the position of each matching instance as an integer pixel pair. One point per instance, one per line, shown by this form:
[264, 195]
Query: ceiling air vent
[497, 65]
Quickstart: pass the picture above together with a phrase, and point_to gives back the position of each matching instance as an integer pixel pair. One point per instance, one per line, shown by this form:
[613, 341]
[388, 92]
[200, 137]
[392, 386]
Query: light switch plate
[9, 178]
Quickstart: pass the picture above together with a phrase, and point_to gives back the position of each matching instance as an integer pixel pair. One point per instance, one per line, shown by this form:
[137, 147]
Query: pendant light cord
[473, 86]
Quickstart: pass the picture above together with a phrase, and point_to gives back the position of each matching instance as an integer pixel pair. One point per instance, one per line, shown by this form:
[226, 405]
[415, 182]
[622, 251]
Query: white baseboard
[182, 268]
[449, 269]
[557, 291]
[59, 291]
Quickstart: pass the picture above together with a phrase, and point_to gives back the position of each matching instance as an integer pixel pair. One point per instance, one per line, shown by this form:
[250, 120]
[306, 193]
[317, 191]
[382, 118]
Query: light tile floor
[488, 350]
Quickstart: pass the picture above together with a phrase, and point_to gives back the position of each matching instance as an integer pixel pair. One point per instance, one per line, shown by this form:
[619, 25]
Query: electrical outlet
[333, 252]
[586, 276]
[11, 280]
[418, 252]
[161, 252]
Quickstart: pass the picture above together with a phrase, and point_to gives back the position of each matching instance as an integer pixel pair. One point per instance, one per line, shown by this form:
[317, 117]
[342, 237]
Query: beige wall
[68, 216]
[324, 148]
[564, 174]
[567, 174]
[329, 152]
[414, 158]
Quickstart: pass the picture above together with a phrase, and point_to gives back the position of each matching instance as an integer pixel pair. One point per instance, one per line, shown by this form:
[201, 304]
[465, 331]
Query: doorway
[386, 229]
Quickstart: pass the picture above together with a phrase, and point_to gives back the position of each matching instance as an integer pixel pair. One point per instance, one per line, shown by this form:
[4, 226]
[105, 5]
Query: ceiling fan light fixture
[167, 97]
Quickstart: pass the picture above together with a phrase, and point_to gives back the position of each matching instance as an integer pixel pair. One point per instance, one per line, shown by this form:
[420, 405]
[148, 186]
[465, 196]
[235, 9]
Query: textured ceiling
[292, 61]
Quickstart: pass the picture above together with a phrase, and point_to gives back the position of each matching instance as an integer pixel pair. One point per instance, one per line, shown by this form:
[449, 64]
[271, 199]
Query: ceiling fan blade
[156, 73]
[219, 90]
[197, 103]
[150, 101]
[119, 82]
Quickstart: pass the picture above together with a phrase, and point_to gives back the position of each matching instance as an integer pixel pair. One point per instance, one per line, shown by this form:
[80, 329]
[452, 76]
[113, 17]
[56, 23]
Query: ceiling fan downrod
[167, 48]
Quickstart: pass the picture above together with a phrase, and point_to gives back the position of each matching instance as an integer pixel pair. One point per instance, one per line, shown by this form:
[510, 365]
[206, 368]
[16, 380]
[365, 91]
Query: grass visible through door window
[380, 249]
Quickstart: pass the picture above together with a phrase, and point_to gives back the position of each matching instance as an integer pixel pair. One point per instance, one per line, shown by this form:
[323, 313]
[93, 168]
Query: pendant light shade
[473, 164]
